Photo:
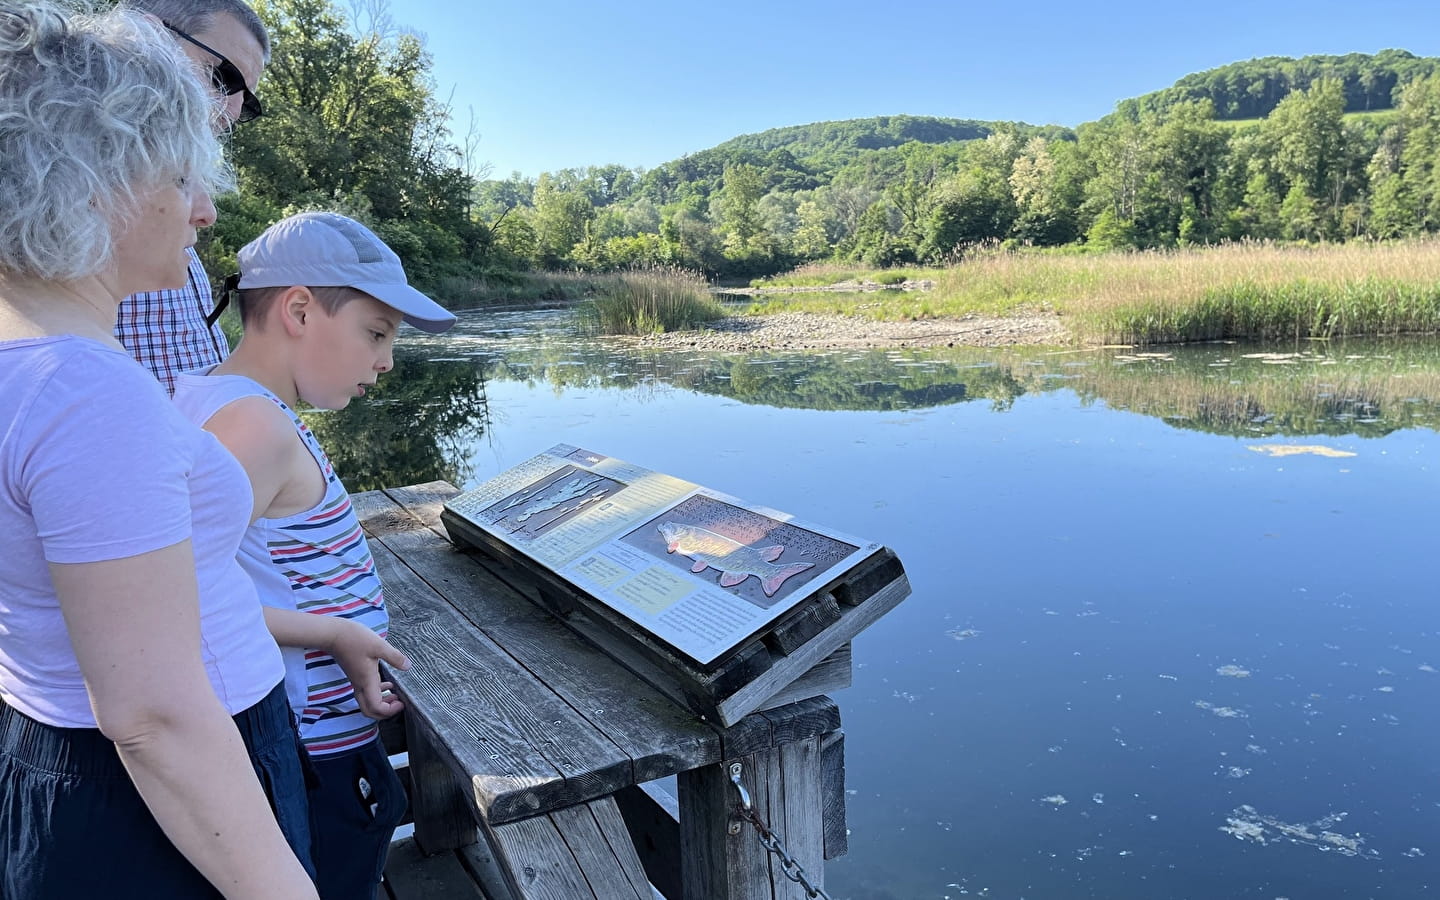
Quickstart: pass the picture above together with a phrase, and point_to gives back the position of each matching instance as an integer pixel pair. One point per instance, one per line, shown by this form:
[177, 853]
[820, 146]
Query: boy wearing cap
[321, 298]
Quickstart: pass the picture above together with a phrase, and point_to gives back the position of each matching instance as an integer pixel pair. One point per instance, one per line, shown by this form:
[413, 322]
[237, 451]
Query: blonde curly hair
[96, 107]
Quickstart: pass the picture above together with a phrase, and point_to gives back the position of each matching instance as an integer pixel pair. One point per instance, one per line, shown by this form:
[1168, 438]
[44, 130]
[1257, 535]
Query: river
[1172, 632]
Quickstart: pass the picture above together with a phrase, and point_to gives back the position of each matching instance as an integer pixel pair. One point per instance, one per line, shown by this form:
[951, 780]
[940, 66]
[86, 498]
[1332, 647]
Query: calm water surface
[1144, 657]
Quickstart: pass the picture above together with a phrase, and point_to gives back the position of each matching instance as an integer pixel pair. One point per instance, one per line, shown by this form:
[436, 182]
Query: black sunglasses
[227, 80]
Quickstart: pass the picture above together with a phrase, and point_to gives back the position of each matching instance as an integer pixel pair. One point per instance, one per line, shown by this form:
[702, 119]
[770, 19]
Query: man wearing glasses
[167, 330]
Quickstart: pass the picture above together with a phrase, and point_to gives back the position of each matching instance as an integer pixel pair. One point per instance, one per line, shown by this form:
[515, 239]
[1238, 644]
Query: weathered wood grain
[440, 805]
[609, 862]
[797, 814]
[719, 862]
[538, 862]
[803, 623]
[832, 775]
[833, 673]
[525, 747]
[854, 620]
[802, 720]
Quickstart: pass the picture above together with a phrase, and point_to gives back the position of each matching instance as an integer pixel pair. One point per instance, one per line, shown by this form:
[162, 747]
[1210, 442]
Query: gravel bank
[815, 331]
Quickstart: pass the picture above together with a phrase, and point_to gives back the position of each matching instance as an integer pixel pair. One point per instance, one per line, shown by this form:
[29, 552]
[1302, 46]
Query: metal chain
[771, 841]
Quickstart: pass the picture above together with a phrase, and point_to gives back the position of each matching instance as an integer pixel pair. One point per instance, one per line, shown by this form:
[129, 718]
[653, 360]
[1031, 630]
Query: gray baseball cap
[325, 249]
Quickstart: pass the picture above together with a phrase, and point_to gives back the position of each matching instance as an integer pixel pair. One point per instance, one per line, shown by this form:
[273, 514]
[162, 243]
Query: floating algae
[1246, 823]
[1224, 712]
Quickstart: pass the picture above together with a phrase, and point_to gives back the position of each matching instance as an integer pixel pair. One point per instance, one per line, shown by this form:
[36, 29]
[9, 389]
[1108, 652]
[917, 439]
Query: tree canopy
[1321, 148]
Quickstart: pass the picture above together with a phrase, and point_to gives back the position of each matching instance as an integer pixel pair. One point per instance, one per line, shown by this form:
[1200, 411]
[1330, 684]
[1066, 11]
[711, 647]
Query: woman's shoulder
[67, 376]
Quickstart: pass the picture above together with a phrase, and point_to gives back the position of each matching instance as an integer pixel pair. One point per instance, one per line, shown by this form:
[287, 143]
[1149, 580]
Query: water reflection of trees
[857, 380]
[1367, 388]
[415, 426]
[1363, 388]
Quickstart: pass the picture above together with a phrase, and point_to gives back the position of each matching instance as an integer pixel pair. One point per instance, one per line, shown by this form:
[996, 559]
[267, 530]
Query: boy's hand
[359, 651]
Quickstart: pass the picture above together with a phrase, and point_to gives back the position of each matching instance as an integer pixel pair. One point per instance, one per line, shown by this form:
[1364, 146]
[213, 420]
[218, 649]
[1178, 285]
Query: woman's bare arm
[134, 624]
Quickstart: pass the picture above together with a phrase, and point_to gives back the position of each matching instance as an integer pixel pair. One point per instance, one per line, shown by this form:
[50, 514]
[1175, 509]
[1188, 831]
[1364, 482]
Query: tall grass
[648, 301]
[1247, 290]
[503, 288]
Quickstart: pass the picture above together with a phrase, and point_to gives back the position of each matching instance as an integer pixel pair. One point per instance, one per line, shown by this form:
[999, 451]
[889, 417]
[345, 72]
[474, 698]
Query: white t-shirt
[96, 464]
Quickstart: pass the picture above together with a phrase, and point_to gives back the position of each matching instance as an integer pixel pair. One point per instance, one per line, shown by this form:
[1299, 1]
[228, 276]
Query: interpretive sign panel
[695, 568]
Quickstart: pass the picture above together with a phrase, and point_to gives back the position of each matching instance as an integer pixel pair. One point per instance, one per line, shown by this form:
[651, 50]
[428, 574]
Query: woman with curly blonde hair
[145, 742]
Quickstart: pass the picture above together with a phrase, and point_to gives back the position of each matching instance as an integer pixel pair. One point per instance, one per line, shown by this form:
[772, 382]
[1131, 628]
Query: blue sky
[556, 83]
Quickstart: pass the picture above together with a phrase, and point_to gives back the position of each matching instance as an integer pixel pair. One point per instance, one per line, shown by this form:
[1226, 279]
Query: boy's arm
[357, 649]
[262, 437]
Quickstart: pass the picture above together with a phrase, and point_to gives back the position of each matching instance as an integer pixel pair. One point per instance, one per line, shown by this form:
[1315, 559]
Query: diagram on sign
[550, 501]
[756, 557]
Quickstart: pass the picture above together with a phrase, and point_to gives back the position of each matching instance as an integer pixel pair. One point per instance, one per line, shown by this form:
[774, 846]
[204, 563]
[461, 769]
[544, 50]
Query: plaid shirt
[165, 330]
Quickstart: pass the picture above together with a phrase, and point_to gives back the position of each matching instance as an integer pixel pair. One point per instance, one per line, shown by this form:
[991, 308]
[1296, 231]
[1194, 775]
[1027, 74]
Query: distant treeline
[1163, 170]
[1334, 148]
[1251, 89]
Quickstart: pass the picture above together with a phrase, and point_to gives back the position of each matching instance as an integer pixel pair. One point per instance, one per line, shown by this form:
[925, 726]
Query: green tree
[739, 217]
[561, 220]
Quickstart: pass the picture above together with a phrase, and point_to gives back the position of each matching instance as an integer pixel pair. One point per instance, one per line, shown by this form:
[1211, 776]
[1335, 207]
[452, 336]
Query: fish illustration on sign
[575, 487]
[734, 560]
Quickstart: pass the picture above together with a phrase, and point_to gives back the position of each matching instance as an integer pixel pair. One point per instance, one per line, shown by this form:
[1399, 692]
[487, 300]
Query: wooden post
[721, 855]
[439, 800]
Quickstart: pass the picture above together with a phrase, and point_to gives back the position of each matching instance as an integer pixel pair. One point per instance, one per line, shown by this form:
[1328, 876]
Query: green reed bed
[650, 301]
[1234, 291]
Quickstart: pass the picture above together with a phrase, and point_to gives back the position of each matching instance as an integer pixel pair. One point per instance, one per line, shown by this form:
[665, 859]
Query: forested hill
[879, 192]
[850, 137]
[803, 157]
[1253, 88]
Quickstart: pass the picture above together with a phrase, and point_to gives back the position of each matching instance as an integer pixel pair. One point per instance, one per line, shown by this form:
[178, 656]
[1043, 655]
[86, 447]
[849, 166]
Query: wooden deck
[531, 753]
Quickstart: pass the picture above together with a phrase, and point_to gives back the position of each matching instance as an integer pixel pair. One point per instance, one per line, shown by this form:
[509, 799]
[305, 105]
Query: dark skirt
[72, 824]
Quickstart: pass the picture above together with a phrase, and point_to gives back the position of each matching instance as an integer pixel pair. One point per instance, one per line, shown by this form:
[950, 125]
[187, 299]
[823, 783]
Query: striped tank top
[316, 561]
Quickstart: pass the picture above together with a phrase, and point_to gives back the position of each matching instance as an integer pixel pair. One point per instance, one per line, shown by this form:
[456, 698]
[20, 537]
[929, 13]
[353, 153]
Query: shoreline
[828, 331]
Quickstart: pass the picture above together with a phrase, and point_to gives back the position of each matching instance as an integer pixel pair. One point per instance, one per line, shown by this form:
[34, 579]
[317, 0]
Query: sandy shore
[814, 331]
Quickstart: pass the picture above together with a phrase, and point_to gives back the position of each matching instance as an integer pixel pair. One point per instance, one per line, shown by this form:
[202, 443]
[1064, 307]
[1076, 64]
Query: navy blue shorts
[73, 825]
[356, 800]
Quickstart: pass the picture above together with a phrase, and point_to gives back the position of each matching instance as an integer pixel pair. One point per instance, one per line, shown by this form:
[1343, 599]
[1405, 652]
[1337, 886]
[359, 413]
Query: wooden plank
[803, 623]
[486, 868]
[833, 673]
[751, 734]
[611, 868]
[720, 859]
[424, 501]
[526, 749]
[659, 737]
[440, 805]
[854, 620]
[410, 875]
[869, 578]
[797, 815]
[802, 720]
[612, 828]
[652, 818]
[832, 777]
[538, 862]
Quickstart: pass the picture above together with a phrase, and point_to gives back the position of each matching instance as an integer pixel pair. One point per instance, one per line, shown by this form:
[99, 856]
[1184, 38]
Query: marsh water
[1173, 630]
